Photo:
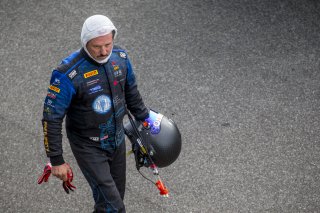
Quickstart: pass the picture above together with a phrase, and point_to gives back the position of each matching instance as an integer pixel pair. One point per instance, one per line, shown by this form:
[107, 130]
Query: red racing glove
[65, 184]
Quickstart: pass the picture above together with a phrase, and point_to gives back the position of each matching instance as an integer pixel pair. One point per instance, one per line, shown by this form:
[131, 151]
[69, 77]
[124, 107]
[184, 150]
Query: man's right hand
[61, 171]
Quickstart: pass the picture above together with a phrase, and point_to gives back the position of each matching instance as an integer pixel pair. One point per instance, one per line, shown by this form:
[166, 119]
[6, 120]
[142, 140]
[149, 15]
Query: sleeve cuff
[143, 116]
[57, 160]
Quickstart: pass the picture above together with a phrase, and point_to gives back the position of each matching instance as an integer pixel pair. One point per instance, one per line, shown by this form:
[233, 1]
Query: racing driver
[93, 87]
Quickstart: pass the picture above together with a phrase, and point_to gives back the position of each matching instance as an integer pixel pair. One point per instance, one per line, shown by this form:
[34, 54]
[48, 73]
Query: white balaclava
[93, 27]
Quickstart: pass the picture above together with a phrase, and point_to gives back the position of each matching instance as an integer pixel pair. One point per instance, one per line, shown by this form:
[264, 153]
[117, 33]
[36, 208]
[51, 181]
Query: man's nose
[104, 51]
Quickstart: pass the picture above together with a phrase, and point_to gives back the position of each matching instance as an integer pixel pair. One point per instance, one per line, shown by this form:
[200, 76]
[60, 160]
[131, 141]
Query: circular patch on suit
[102, 104]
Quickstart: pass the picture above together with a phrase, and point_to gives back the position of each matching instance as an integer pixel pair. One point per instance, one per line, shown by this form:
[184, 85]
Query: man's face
[100, 47]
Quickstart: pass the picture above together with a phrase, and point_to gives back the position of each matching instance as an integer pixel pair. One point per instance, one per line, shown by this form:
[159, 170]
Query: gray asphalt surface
[240, 78]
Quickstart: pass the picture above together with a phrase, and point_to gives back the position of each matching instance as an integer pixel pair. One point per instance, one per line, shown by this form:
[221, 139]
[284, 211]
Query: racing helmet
[161, 137]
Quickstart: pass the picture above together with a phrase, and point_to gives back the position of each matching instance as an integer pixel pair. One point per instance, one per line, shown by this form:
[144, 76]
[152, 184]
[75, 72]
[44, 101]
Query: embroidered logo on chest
[95, 81]
[102, 104]
[116, 69]
[95, 89]
[90, 74]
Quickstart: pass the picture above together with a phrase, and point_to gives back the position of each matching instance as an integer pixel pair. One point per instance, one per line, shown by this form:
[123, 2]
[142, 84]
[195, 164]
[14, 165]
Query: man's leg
[118, 168]
[94, 164]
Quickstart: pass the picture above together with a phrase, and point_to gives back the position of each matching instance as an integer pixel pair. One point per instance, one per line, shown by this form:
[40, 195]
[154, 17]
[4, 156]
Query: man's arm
[134, 100]
[56, 103]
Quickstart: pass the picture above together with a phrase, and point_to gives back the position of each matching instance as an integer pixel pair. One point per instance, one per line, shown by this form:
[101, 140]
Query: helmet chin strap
[143, 152]
[99, 61]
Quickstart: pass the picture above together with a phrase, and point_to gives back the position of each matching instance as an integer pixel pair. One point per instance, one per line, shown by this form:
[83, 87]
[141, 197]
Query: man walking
[93, 88]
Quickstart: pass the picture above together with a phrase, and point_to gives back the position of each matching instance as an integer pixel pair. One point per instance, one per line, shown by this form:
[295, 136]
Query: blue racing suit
[93, 97]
